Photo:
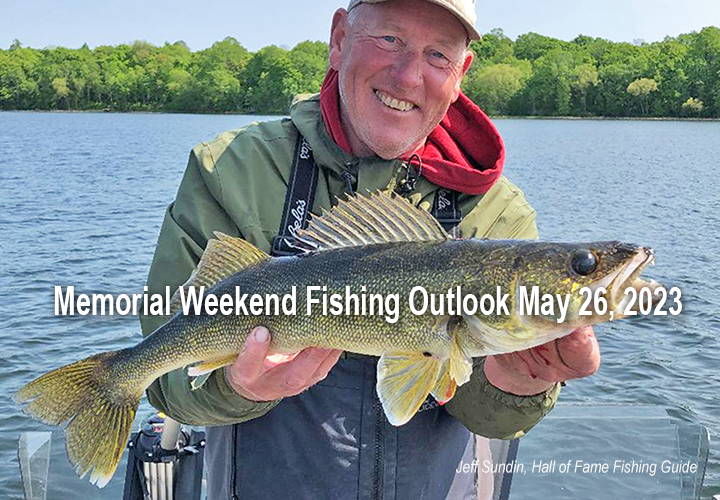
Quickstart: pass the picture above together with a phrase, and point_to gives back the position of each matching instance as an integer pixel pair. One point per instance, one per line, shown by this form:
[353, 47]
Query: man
[312, 426]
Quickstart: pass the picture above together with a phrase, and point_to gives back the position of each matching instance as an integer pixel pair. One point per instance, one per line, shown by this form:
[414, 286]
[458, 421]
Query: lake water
[82, 197]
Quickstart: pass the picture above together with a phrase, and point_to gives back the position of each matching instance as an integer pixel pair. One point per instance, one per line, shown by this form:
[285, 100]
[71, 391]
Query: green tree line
[533, 75]
[538, 75]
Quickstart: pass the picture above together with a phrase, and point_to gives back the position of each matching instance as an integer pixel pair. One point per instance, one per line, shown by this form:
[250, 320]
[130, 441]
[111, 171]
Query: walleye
[381, 242]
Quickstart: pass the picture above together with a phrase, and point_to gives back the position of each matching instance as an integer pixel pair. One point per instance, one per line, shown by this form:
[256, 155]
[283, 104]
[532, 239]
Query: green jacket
[236, 184]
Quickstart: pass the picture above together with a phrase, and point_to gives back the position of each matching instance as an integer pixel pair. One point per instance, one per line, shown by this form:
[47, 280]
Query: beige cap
[462, 9]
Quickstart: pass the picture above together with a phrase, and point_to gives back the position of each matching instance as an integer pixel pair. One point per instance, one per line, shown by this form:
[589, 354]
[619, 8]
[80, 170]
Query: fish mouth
[626, 277]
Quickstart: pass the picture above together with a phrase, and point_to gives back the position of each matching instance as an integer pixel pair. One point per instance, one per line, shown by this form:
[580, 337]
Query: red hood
[464, 153]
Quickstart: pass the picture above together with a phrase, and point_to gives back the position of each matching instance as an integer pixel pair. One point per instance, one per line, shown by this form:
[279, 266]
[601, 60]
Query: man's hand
[257, 377]
[535, 370]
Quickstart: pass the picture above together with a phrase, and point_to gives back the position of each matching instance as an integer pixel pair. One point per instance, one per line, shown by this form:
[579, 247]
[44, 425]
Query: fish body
[378, 245]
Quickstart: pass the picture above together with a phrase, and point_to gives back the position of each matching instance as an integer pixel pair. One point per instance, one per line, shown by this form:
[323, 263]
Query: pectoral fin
[460, 363]
[404, 380]
[454, 372]
[202, 371]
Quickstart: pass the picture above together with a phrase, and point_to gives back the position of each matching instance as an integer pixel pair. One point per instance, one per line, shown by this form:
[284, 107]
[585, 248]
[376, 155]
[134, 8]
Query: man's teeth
[394, 103]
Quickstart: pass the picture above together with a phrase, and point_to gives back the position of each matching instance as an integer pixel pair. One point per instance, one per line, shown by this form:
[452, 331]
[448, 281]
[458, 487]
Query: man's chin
[391, 154]
[389, 150]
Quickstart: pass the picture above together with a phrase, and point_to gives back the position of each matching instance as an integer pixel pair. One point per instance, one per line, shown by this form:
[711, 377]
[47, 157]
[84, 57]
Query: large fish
[382, 243]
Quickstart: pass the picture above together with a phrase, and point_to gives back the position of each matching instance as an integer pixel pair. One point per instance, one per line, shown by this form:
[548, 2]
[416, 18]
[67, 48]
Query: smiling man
[390, 115]
[397, 78]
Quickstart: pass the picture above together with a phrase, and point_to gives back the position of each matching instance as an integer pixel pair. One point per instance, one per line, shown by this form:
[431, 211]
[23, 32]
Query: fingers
[512, 373]
[308, 368]
[325, 367]
[260, 377]
[579, 352]
[576, 355]
[298, 373]
[277, 359]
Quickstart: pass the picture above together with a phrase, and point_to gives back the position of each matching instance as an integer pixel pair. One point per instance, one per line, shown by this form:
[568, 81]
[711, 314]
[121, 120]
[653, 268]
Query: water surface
[82, 197]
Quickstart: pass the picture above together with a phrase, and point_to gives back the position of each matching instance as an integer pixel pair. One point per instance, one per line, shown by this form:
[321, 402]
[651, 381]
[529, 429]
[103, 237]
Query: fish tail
[98, 406]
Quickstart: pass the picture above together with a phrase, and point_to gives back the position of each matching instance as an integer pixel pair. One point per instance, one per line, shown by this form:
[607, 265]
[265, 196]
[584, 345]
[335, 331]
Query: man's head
[400, 65]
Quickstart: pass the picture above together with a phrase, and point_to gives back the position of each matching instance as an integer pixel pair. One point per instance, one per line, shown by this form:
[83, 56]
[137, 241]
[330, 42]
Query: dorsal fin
[368, 220]
[223, 257]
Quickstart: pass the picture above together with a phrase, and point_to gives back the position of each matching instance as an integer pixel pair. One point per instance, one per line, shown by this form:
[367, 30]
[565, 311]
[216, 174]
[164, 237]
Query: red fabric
[464, 153]
[330, 108]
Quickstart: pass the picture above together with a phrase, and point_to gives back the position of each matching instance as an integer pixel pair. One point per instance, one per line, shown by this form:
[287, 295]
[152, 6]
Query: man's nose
[408, 70]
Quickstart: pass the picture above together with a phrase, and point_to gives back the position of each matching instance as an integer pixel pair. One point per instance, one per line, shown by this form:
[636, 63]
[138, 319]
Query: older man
[311, 426]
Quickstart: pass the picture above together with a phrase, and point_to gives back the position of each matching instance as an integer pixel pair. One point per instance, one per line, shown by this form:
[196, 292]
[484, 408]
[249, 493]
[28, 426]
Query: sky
[256, 24]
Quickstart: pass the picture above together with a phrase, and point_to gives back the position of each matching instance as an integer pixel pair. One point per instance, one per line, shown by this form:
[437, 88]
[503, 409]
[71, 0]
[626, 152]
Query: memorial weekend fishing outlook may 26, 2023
[197, 300]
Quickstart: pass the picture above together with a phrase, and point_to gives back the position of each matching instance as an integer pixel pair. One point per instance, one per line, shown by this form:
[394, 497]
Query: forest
[534, 75]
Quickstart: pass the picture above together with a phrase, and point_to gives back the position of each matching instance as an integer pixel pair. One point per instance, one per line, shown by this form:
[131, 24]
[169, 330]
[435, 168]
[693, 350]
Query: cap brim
[472, 32]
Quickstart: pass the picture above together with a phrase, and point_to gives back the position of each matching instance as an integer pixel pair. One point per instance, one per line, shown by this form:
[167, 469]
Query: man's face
[400, 65]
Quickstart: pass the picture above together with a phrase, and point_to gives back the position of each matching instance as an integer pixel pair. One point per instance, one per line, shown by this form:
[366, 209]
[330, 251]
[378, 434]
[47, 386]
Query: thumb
[249, 362]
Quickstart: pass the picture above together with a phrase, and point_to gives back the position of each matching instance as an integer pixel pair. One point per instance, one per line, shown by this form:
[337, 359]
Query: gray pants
[334, 442]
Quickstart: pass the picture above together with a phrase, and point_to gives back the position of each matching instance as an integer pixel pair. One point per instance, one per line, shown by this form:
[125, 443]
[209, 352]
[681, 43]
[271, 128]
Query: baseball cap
[464, 10]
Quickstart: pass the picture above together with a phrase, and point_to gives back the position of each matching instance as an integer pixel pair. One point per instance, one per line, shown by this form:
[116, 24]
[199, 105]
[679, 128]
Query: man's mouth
[392, 102]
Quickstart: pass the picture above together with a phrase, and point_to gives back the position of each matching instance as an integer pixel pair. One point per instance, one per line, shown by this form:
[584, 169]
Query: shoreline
[493, 117]
[608, 118]
[112, 112]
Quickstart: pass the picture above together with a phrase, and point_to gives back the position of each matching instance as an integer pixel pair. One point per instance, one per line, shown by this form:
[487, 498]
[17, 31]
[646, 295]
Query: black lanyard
[301, 194]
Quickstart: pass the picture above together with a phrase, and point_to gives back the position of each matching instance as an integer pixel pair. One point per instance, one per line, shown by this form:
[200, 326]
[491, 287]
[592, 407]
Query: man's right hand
[257, 377]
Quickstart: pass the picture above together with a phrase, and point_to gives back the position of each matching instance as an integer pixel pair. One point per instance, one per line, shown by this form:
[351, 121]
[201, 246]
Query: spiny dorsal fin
[368, 220]
[223, 257]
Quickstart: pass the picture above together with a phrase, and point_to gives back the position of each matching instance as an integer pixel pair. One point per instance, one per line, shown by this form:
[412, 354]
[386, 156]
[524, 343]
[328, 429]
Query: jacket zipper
[399, 176]
[233, 473]
[412, 173]
[349, 180]
[379, 451]
[349, 177]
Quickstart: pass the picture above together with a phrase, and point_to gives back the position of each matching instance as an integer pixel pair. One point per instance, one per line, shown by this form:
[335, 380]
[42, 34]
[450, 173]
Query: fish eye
[583, 262]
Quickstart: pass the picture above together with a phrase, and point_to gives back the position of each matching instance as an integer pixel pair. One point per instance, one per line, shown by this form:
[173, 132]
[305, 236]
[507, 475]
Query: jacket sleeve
[189, 222]
[481, 407]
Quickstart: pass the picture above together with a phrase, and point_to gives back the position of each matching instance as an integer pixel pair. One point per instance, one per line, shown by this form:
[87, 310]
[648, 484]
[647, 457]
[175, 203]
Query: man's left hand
[535, 370]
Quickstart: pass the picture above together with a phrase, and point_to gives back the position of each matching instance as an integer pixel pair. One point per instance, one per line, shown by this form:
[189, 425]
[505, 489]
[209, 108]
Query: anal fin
[202, 371]
[404, 380]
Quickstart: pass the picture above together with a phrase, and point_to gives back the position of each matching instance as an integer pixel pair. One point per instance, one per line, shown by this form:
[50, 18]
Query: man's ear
[338, 38]
[469, 55]
[466, 66]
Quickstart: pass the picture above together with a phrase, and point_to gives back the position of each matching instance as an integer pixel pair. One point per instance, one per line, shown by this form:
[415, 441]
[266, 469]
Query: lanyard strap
[445, 210]
[298, 200]
[301, 194]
